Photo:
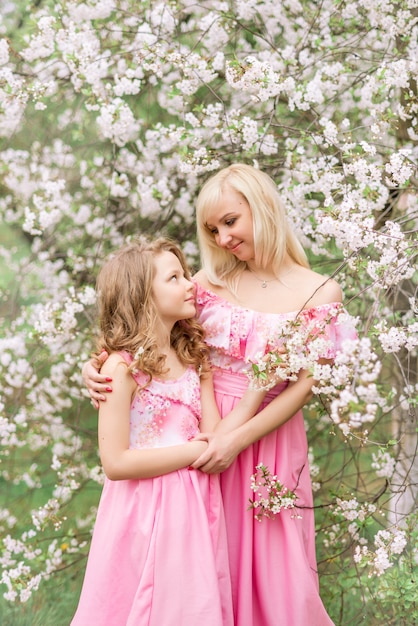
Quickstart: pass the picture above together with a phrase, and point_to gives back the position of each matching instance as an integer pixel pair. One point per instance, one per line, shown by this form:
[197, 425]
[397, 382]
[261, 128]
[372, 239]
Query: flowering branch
[271, 496]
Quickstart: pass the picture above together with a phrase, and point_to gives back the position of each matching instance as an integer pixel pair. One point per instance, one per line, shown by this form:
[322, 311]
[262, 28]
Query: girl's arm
[118, 460]
[223, 448]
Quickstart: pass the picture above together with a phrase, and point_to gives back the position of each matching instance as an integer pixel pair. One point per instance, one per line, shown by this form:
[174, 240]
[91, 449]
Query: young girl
[158, 555]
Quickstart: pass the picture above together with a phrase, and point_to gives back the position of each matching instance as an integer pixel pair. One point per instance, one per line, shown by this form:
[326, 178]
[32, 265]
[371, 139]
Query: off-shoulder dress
[272, 561]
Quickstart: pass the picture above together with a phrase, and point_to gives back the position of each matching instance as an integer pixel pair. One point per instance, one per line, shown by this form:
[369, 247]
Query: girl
[255, 281]
[158, 554]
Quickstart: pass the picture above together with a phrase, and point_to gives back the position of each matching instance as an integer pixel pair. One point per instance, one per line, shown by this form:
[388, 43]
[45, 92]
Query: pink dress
[158, 555]
[273, 563]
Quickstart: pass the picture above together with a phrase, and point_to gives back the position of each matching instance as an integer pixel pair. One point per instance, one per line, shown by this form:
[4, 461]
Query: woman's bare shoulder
[317, 288]
[201, 278]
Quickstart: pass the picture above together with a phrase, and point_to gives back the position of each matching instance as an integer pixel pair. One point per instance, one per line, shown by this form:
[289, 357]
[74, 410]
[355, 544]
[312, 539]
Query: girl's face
[231, 223]
[173, 292]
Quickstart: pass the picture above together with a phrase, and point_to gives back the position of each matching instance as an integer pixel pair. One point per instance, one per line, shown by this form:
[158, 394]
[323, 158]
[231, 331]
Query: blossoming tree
[112, 113]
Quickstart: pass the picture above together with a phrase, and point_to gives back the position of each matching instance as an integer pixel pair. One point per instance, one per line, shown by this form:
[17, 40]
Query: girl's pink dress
[272, 561]
[158, 555]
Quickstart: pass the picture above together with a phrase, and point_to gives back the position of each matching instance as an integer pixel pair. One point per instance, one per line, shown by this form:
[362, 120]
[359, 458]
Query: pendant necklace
[264, 282]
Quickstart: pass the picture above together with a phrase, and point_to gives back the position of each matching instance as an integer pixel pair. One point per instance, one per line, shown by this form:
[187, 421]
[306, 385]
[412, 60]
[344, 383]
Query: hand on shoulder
[114, 364]
[123, 383]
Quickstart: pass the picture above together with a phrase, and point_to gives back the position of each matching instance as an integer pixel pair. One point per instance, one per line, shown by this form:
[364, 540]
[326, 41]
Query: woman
[255, 278]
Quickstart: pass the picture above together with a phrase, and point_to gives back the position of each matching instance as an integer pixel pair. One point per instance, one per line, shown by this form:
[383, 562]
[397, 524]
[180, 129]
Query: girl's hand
[97, 384]
[221, 452]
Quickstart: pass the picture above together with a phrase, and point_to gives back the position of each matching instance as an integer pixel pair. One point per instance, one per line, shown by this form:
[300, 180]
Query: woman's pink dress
[272, 561]
[158, 555]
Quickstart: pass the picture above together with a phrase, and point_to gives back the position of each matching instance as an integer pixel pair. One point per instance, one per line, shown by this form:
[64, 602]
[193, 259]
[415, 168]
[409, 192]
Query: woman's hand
[97, 384]
[222, 450]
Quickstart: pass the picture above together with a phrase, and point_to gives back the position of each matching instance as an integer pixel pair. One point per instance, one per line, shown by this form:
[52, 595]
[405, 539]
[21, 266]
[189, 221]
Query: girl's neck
[174, 368]
[164, 339]
[165, 348]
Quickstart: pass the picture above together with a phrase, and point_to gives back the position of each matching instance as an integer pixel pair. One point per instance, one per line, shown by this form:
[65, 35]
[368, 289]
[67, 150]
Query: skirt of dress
[272, 561]
[158, 555]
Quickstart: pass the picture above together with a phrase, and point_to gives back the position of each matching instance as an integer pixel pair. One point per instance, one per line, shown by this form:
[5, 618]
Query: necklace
[264, 282]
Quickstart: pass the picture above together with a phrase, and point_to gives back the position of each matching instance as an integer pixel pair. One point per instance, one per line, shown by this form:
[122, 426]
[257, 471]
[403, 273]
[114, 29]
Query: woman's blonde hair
[129, 317]
[273, 236]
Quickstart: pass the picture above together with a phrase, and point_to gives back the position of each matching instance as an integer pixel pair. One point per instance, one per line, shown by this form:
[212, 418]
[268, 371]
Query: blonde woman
[254, 279]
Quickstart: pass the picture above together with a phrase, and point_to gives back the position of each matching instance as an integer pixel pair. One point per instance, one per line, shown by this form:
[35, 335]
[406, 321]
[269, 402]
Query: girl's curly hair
[128, 314]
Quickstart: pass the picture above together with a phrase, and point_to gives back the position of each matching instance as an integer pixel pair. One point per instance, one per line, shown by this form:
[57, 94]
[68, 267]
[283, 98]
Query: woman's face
[231, 224]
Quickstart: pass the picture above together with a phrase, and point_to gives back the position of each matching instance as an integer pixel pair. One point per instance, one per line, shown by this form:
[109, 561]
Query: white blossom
[4, 52]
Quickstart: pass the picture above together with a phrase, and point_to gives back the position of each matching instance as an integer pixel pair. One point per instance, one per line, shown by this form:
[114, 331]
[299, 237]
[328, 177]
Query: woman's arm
[223, 448]
[118, 460]
[210, 412]
[244, 410]
[96, 382]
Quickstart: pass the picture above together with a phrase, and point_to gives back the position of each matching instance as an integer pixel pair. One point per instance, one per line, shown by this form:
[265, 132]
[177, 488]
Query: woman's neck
[266, 274]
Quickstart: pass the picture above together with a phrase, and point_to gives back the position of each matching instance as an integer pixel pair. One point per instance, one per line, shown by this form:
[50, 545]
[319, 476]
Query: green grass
[53, 604]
